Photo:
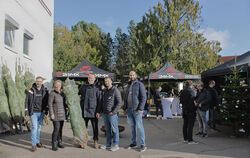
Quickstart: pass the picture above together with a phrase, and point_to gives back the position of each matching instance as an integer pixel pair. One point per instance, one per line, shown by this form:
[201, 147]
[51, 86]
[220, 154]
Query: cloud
[109, 22]
[222, 36]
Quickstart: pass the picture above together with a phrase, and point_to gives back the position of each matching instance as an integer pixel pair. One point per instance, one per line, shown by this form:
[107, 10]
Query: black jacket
[214, 97]
[30, 98]
[203, 98]
[111, 102]
[187, 100]
[157, 97]
[90, 100]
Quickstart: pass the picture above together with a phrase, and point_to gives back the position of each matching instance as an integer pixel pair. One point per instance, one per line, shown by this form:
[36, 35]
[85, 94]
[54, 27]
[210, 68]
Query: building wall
[37, 17]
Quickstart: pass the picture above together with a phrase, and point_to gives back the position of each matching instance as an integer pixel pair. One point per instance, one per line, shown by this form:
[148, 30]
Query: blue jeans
[111, 127]
[135, 120]
[36, 122]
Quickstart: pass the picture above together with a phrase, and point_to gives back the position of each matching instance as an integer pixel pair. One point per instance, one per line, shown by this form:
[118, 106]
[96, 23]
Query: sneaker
[185, 141]
[205, 135]
[198, 134]
[132, 146]
[157, 118]
[105, 147]
[192, 142]
[143, 148]
[115, 147]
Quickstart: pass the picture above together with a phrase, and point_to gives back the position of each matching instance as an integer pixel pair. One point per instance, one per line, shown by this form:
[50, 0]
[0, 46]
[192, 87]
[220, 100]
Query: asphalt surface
[163, 138]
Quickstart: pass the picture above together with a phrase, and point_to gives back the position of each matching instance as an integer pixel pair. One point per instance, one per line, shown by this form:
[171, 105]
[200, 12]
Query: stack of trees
[12, 96]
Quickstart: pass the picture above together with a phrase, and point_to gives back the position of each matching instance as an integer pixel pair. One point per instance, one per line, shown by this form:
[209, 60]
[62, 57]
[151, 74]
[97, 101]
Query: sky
[227, 21]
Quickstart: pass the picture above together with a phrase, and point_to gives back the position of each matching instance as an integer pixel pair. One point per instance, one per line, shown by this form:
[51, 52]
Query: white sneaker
[157, 117]
[105, 147]
[115, 147]
[193, 142]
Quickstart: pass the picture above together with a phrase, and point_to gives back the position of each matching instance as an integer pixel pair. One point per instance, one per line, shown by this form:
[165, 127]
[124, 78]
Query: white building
[26, 34]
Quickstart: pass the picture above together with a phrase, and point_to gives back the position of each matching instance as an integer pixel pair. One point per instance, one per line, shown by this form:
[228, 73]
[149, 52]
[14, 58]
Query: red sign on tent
[58, 74]
[85, 68]
[172, 71]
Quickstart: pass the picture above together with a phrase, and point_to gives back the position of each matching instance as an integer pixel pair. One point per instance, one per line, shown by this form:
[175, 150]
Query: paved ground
[163, 138]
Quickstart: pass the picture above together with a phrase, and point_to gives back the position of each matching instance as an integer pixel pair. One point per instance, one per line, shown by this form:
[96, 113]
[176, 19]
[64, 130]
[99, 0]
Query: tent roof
[168, 72]
[82, 70]
[224, 69]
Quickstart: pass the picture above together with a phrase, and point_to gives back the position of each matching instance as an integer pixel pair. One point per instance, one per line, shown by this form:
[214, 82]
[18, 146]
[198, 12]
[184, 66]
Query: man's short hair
[91, 74]
[40, 77]
[211, 82]
[189, 83]
[108, 78]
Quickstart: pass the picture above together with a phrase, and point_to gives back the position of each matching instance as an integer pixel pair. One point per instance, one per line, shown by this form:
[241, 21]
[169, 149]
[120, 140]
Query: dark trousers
[188, 126]
[211, 121]
[159, 106]
[94, 123]
[57, 132]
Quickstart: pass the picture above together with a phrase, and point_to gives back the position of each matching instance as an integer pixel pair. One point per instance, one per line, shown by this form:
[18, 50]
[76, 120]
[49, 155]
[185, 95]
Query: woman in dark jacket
[57, 110]
[202, 103]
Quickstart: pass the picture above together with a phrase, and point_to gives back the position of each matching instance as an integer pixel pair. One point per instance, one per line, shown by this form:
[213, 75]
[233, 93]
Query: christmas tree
[234, 109]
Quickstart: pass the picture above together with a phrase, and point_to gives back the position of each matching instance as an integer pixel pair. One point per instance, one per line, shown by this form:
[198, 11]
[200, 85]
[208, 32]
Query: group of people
[195, 104]
[94, 104]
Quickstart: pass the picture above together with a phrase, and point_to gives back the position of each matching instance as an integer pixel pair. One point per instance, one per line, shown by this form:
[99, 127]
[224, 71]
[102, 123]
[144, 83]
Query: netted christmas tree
[234, 109]
[13, 98]
[77, 123]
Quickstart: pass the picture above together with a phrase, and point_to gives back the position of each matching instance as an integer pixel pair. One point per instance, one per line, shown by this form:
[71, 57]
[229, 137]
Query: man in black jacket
[189, 111]
[36, 105]
[202, 103]
[90, 99]
[111, 103]
[157, 101]
[213, 103]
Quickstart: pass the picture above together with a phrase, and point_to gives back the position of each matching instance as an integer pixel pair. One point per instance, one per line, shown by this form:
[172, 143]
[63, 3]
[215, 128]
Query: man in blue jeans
[111, 103]
[36, 105]
[134, 102]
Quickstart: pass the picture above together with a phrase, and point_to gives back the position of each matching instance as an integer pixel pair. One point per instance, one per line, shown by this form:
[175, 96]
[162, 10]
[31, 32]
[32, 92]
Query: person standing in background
[157, 101]
[189, 112]
[213, 103]
[202, 103]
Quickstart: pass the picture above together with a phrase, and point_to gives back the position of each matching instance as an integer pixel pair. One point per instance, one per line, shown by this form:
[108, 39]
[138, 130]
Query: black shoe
[54, 146]
[199, 133]
[60, 145]
[205, 135]
[132, 146]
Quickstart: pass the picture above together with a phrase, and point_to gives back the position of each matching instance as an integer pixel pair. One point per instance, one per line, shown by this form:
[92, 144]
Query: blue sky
[227, 21]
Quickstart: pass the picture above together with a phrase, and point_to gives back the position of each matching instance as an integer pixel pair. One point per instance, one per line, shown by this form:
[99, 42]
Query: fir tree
[234, 109]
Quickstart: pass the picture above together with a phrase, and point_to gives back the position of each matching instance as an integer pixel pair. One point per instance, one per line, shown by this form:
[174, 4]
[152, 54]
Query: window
[27, 36]
[10, 27]
[25, 45]
[9, 37]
